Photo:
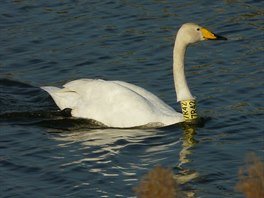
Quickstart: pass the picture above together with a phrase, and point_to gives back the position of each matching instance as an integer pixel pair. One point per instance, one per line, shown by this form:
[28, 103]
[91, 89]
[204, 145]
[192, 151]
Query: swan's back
[113, 103]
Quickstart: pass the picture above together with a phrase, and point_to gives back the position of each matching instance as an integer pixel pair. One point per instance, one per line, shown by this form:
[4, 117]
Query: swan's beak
[207, 35]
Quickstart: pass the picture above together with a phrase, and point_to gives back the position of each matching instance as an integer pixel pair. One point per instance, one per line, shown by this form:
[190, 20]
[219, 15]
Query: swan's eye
[198, 29]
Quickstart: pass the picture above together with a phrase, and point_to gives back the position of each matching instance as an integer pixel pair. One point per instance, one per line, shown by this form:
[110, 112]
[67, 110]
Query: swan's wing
[156, 101]
[119, 90]
[114, 103]
[64, 98]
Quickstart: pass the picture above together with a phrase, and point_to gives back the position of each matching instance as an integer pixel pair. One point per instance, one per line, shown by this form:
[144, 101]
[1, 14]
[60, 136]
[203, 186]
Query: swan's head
[191, 33]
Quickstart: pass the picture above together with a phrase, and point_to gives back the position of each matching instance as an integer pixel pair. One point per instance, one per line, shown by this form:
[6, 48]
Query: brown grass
[251, 178]
[158, 183]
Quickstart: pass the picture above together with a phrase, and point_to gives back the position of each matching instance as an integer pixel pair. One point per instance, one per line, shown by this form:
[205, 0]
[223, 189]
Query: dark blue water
[45, 154]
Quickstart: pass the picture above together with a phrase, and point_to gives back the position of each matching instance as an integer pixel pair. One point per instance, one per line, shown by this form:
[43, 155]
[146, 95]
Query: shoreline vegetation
[160, 182]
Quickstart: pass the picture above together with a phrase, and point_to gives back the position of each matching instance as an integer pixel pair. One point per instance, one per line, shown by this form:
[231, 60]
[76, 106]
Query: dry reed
[158, 183]
[251, 178]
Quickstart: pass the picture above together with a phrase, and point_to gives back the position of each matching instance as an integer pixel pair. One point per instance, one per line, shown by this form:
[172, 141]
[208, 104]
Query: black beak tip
[220, 37]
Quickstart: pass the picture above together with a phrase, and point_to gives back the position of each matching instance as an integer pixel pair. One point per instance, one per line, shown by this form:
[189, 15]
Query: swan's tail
[63, 98]
[50, 90]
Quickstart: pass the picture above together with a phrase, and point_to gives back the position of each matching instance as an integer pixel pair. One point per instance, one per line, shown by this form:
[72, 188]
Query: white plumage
[113, 103]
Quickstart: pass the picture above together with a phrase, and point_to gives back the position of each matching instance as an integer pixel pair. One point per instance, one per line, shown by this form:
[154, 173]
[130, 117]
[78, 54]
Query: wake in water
[25, 104]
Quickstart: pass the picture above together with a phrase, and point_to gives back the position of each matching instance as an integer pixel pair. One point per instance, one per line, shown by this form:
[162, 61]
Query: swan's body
[121, 104]
[113, 103]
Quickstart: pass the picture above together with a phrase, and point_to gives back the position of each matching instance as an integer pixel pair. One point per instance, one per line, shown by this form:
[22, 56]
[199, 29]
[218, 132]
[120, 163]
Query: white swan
[124, 105]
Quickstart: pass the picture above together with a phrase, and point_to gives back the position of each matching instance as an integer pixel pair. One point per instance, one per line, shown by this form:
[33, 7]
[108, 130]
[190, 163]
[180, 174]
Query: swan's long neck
[183, 93]
[181, 85]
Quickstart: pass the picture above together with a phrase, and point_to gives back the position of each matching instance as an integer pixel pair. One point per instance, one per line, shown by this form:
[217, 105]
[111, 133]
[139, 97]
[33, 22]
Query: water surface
[52, 42]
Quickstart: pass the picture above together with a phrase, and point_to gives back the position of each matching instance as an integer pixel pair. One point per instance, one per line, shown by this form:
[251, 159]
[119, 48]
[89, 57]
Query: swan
[120, 104]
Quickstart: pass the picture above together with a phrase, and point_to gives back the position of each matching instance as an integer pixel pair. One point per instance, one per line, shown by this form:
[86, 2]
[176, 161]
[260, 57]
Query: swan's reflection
[104, 146]
[185, 175]
[101, 137]
[187, 144]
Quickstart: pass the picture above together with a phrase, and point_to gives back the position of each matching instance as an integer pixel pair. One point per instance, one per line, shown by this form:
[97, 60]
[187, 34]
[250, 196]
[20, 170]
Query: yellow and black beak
[207, 35]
